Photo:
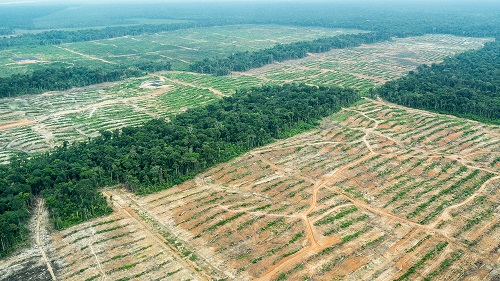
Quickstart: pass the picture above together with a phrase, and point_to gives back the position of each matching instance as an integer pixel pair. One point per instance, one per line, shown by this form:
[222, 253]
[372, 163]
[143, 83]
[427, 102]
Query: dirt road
[39, 225]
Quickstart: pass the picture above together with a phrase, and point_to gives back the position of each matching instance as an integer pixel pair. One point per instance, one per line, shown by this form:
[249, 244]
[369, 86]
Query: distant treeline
[383, 21]
[57, 37]
[403, 23]
[244, 61]
[5, 31]
[467, 85]
[395, 19]
[63, 78]
[156, 155]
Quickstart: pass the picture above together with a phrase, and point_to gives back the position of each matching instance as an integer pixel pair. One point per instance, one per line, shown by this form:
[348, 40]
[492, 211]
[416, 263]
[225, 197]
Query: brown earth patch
[16, 124]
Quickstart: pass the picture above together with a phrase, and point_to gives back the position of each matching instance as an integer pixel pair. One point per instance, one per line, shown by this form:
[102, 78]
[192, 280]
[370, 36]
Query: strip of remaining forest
[157, 155]
[57, 37]
[467, 85]
[412, 20]
[244, 61]
[374, 19]
[63, 78]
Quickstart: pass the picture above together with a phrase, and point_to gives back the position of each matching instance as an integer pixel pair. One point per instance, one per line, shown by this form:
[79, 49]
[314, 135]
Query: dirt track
[281, 210]
[39, 244]
[125, 203]
[218, 183]
[322, 183]
[19, 123]
[176, 81]
[84, 55]
[33, 263]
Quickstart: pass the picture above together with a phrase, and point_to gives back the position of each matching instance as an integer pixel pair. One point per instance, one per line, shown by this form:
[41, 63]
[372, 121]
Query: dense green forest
[244, 61]
[59, 78]
[21, 16]
[467, 85]
[63, 78]
[384, 21]
[56, 37]
[157, 155]
[397, 18]
[5, 31]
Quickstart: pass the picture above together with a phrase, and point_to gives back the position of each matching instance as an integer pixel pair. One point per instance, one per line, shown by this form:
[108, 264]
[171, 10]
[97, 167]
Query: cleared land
[365, 197]
[119, 247]
[368, 65]
[44, 27]
[378, 192]
[181, 47]
[37, 123]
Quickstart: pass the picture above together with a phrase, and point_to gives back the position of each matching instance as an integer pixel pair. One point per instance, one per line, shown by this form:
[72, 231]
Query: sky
[13, 2]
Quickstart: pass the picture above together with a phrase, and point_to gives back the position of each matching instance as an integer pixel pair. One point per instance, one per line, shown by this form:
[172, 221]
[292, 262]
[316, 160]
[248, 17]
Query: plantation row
[476, 143]
[244, 61]
[225, 205]
[226, 85]
[98, 110]
[87, 112]
[158, 154]
[62, 78]
[115, 247]
[250, 217]
[454, 87]
[151, 52]
[366, 66]
[369, 218]
[474, 20]
[57, 37]
[185, 46]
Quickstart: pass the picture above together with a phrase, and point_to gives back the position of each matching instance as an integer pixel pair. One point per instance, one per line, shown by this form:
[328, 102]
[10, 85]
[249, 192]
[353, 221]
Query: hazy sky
[13, 2]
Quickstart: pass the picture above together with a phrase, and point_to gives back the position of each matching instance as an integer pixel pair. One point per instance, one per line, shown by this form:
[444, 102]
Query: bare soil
[358, 199]
[18, 123]
[367, 197]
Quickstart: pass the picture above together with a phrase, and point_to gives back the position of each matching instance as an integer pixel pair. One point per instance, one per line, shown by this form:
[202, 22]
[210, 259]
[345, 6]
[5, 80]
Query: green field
[78, 114]
[368, 65]
[181, 47]
[136, 22]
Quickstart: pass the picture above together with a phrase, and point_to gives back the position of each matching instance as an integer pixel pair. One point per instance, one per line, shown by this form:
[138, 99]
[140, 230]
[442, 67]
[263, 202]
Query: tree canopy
[63, 78]
[57, 37]
[244, 61]
[157, 155]
[467, 85]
